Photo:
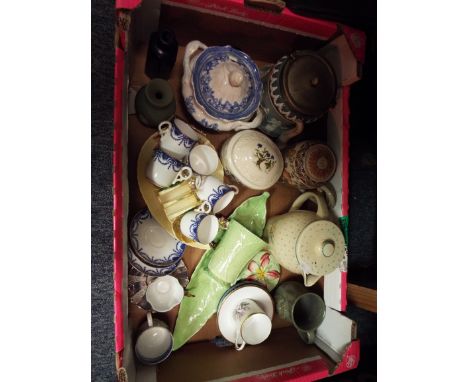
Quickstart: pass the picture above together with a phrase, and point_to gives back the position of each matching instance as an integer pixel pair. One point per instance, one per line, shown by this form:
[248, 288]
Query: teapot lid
[309, 83]
[320, 247]
[226, 83]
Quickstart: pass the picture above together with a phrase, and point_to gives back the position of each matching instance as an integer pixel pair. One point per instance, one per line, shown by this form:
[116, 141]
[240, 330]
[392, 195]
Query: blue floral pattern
[204, 94]
[217, 193]
[148, 270]
[181, 138]
[163, 158]
[189, 104]
[212, 126]
[168, 260]
[194, 223]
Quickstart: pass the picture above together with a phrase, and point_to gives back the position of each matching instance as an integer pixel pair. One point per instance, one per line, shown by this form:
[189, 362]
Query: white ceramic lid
[254, 159]
[320, 247]
[229, 303]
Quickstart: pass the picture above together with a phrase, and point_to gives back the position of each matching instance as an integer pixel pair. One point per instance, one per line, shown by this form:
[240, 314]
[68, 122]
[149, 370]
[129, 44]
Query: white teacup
[218, 194]
[163, 170]
[253, 326]
[177, 138]
[199, 226]
[203, 159]
[154, 344]
[164, 293]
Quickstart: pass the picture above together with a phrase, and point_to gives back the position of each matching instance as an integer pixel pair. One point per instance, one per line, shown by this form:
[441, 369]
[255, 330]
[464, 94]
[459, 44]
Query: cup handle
[238, 346]
[204, 207]
[235, 188]
[307, 336]
[184, 174]
[163, 127]
[149, 318]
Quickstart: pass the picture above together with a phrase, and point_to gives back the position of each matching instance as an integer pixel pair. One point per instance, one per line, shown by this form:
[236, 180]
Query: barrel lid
[309, 83]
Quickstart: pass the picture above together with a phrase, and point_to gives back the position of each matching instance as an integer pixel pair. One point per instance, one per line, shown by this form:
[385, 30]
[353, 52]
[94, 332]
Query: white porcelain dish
[151, 243]
[252, 159]
[149, 270]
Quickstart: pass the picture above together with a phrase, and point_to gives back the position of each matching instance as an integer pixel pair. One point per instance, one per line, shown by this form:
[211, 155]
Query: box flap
[335, 334]
[341, 57]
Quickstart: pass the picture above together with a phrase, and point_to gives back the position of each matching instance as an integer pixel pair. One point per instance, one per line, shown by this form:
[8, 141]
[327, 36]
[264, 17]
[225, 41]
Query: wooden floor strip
[364, 298]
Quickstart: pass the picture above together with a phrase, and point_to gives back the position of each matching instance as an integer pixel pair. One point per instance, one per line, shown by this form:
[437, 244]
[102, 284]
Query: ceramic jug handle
[330, 194]
[307, 336]
[238, 346]
[205, 207]
[322, 209]
[190, 49]
[149, 318]
[164, 126]
[287, 135]
[234, 188]
[183, 174]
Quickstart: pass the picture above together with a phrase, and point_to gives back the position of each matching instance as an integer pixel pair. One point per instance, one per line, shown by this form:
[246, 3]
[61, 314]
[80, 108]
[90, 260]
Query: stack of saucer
[152, 251]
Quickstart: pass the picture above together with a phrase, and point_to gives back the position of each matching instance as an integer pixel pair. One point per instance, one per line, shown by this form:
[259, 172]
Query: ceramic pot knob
[235, 78]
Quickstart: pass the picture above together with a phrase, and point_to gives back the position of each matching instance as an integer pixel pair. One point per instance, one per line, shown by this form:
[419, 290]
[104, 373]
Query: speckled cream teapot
[306, 242]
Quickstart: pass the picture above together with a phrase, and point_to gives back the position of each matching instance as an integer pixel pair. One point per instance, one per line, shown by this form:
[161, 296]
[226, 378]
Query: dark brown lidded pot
[298, 89]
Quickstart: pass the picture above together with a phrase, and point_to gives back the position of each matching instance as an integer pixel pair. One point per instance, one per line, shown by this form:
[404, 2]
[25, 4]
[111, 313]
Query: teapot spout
[310, 279]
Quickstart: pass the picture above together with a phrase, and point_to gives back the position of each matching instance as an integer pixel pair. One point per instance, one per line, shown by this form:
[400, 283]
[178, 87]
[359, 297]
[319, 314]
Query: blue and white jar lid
[227, 83]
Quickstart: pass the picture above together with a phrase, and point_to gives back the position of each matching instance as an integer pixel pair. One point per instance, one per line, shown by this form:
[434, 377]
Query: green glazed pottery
[155, 103]
[264, 269]
[205, 290]
[237, 247]
[305, 310]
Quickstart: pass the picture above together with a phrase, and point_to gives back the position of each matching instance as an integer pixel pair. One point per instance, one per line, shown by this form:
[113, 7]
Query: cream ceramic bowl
[252, 159]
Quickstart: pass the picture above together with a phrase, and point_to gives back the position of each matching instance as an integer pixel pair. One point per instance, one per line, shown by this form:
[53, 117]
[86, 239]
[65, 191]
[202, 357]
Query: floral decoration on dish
[264, 269]
[264, 157]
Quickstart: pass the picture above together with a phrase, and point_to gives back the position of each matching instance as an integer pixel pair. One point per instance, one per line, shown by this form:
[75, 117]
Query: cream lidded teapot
[306, 242]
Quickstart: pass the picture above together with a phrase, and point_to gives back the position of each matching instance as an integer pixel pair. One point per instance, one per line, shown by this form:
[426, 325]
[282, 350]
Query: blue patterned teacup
[218, 194]
[164, 170]
[177, 138]
[199, 226]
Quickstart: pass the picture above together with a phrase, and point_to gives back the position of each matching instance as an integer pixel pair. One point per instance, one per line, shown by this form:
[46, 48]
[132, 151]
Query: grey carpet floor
[363, 199]
[102, 305]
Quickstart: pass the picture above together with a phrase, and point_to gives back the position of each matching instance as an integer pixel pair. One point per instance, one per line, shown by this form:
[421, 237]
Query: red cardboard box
[265, 36]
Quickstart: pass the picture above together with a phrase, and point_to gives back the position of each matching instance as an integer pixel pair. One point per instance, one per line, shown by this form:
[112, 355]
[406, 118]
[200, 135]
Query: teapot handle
[287, 135]
[322, 209]
[190, 49]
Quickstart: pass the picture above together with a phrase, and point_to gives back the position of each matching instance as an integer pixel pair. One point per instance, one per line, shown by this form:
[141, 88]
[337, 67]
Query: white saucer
[151, 243]
[230, 301]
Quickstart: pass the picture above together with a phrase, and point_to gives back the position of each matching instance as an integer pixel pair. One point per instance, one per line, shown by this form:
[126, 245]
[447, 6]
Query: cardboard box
[265, 36]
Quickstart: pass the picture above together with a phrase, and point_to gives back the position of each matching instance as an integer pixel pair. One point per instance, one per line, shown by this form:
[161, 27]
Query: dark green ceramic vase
[155, 103]
[305, 310]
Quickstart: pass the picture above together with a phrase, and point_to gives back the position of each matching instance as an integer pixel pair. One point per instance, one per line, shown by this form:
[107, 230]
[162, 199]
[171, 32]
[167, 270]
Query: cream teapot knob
[235, 78]
[328, 248]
